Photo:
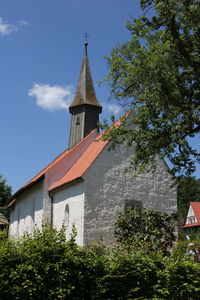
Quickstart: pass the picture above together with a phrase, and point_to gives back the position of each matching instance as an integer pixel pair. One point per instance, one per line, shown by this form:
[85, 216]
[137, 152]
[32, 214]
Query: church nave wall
[68, 210]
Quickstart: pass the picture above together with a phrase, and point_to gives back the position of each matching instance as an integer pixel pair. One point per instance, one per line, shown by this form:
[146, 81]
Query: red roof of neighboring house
[196, 209]
[69, 165]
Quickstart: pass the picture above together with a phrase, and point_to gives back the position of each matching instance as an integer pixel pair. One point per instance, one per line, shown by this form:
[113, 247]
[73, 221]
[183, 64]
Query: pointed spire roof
[85, 93]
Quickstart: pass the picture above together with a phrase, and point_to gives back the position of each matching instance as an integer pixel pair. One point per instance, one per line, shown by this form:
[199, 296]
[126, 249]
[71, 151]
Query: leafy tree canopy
[156, 76]
[5, 191]
[5, 194]
[188, 191]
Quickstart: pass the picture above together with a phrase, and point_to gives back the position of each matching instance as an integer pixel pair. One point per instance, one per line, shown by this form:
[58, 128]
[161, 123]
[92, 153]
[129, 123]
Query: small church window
[77, 120]
[66, 215]
[131, 204]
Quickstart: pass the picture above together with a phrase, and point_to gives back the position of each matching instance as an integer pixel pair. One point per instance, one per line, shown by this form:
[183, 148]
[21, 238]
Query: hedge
[45, 266]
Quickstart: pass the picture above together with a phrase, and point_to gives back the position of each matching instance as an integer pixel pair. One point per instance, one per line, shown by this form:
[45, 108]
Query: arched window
[66, 215]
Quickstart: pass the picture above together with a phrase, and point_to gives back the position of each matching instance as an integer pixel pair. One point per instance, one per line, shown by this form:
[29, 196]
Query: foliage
[182, 280]
[130, 276]
[152, 229]
[155, 75]
[5, 191]
[180, 248]
[44, 266]
[195, 233]
[5, 194]
[188, 191]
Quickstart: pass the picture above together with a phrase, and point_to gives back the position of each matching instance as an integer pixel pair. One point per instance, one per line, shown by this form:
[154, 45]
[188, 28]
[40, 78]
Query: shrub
[145, 228]
[44, 266]
[130, 276]
[183, 280]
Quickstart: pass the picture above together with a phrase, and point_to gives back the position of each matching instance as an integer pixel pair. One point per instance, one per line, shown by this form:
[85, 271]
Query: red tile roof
[85, 161]
[82, 164]
[196, 209]
[59, 166]
[69, 165]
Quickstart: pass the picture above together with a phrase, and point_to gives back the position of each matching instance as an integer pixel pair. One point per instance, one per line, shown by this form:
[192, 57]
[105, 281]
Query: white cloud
[113, 108]
[22, 22]
[6, 28]
[53, 97]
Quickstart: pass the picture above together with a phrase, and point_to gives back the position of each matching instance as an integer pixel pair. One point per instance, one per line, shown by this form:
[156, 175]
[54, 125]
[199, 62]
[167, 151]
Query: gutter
[52, 199]
[66, 184]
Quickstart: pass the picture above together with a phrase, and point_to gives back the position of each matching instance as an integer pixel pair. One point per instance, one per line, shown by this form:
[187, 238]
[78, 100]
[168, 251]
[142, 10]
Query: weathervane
[86, 36]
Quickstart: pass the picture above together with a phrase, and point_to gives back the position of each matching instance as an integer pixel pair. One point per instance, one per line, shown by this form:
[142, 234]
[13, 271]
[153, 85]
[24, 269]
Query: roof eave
[190, 225]
[85, 104]
[65, 185]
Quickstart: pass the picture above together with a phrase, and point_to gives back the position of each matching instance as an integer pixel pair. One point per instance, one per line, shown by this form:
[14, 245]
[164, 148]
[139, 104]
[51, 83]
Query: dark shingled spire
[85, 93]
[85, 108]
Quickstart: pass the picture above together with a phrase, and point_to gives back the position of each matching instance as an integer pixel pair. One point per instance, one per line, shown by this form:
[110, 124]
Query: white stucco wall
[107, 184]
[73, 196]
[27, 212]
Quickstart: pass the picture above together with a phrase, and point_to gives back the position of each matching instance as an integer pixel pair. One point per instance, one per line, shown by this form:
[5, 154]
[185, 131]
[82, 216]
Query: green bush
[183, 280]
[130, 276]
[180, 248]
[45, 266]
[151, 229]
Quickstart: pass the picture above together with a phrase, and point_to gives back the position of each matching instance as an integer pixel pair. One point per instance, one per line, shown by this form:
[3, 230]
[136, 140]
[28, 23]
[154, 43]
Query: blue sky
[41, 44]
[41, 52]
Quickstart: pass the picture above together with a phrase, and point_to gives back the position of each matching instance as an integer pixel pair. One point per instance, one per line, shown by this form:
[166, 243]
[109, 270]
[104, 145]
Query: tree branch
[181, 46]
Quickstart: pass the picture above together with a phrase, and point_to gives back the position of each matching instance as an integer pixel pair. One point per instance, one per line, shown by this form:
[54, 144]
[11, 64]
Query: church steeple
[85, 108]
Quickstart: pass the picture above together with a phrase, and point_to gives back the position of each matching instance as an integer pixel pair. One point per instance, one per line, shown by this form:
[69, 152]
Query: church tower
[85, 108]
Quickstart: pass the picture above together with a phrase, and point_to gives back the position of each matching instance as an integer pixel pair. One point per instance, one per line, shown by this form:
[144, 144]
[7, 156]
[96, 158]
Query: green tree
[156, 76]
[5, 194]
[188, 191]
[148, 228]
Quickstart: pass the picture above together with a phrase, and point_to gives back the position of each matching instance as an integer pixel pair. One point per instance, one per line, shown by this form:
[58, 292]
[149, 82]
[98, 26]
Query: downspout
[51, 213]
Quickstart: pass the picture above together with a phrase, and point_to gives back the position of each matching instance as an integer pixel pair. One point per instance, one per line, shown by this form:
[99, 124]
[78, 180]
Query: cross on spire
[86, 36]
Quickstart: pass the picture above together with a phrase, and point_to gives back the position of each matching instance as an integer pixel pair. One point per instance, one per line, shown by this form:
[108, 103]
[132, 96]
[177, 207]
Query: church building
[86, 185]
